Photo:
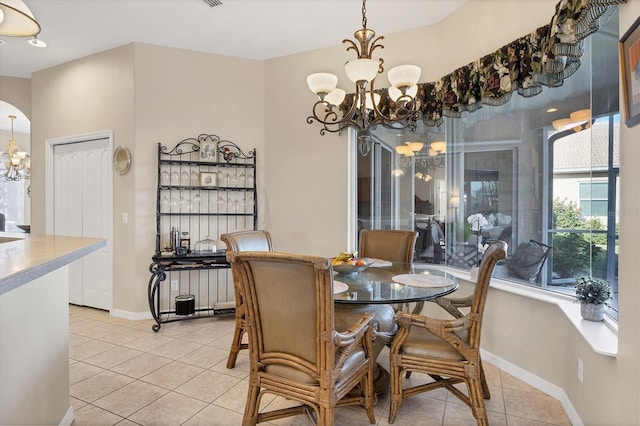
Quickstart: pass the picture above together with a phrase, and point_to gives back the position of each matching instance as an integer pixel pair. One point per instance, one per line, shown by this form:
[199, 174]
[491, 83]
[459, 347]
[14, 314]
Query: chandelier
[577, 121]
[16, 20]
[431, 159]
[395, 107]
[17, 163]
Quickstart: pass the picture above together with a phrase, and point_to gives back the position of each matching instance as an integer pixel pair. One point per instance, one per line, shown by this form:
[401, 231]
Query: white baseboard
[531, 379]
[134, 316]
[68, 417]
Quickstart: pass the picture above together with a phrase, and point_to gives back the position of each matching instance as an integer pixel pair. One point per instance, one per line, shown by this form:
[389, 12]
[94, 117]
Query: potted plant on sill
[593, 295]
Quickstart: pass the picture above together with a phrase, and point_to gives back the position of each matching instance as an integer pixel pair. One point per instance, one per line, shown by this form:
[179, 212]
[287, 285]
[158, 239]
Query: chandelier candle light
[16, 161]
[362, 111]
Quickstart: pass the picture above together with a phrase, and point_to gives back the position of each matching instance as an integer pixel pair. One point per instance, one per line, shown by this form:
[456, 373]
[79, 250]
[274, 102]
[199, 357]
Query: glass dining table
[391, 284]
[380, 290]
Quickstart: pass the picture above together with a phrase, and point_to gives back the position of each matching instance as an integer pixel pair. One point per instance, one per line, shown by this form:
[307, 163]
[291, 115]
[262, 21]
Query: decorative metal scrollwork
[158, 275]
[209, 147]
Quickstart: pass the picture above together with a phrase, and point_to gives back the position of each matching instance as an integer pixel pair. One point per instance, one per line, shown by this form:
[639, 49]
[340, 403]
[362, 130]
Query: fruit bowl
[347, 268]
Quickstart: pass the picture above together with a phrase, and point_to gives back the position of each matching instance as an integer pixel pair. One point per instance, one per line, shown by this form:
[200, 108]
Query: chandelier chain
[364, 13]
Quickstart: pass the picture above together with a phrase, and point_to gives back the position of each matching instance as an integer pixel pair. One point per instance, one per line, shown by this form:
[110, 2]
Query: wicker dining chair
[294, 350]
[393, 245]
[243, 241]
[446, 350]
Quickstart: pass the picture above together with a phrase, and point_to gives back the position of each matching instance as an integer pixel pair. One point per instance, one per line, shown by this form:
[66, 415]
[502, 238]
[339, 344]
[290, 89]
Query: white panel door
[82, 207]
[67, 178]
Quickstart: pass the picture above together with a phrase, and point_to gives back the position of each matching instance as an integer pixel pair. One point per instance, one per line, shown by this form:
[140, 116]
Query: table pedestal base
[385, 329]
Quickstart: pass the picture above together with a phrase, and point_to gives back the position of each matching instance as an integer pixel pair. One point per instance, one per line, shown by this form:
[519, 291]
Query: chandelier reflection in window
[16, 162]
[429, 158]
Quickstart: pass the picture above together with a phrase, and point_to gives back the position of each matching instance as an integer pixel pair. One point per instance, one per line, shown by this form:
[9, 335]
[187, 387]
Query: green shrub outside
[572, 253]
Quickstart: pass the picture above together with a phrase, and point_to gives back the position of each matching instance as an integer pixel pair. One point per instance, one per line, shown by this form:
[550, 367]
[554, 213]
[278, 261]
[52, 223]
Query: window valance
[545, 57]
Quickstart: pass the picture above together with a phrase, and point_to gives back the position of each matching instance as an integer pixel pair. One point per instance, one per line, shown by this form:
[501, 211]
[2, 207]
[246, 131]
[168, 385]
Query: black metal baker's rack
[206, 187]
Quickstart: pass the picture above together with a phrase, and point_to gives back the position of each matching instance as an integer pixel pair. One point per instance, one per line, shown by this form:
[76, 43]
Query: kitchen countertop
[25, 257]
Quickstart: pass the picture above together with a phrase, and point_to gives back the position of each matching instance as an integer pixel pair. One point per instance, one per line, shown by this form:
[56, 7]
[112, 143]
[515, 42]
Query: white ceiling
[256, 29]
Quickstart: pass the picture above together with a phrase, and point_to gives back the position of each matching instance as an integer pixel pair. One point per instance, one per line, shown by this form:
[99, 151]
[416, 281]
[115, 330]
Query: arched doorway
[15, 201]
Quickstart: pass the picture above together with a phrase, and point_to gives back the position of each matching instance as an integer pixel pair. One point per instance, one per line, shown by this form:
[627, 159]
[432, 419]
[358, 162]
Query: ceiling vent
[213, 3]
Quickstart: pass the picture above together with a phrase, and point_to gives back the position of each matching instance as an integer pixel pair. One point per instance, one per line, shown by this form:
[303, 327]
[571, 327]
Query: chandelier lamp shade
[409, 149]
[437, 148]
[365, 108]
[16, 20]
[16, 162]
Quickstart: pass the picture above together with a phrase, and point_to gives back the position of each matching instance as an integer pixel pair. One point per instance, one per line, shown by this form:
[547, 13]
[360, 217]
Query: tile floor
[123, 373]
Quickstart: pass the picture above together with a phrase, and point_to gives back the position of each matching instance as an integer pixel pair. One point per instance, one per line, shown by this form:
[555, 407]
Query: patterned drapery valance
[545, 57]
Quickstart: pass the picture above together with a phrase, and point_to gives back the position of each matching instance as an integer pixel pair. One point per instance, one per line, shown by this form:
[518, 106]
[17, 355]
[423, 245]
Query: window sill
[602, 337]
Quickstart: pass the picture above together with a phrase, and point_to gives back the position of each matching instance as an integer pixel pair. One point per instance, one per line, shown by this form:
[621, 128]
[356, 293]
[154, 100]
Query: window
[593, 198]
[13, 199]
[530, 181]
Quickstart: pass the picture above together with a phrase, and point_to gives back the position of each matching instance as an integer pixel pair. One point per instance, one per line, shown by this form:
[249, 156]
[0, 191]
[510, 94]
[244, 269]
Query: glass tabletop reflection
[375, 285]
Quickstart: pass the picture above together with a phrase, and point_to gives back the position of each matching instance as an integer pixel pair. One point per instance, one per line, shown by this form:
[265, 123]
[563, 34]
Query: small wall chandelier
[366, 108]
[17, 163]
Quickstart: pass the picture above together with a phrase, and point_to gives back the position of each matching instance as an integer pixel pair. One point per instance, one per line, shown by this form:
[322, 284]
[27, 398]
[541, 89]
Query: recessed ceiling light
[552, 109]
[37, 42]
[2, 42]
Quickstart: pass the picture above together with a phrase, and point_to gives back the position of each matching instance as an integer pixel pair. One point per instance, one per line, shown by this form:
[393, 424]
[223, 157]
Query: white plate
[339, 287]
[423, 280]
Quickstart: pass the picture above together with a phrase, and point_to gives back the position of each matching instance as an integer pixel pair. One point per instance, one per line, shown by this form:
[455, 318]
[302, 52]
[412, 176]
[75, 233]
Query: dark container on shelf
[185, 304]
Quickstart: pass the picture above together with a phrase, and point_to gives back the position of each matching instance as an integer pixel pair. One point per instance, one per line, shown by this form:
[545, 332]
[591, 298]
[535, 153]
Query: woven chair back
[495, 252]
[388, 244]
[248, 241]
[289, 311]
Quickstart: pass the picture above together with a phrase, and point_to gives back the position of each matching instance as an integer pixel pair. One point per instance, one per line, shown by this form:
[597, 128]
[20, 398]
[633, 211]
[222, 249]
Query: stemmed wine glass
[222, 204]
[195, 203]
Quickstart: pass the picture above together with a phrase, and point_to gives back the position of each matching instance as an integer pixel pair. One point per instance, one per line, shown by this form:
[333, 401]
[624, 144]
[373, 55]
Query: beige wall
[157, 94]
[145, 94]
[17, 92]
[307, 202]
[89, 95]
[181, 94]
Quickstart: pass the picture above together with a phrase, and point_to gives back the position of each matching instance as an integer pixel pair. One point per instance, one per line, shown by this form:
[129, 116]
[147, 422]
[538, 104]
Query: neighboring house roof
[587, 149]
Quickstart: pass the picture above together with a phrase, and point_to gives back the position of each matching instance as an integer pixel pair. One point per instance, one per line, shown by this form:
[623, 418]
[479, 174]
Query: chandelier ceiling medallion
[17, 163]
[395, 107]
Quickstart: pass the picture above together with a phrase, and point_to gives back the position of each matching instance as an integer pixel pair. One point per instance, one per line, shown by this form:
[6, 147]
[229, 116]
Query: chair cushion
[424, 344]
[290, 373]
